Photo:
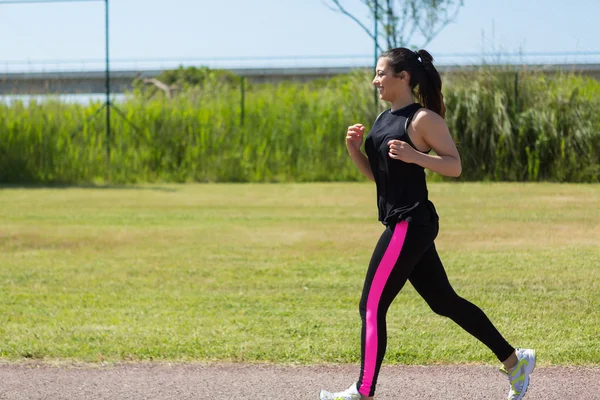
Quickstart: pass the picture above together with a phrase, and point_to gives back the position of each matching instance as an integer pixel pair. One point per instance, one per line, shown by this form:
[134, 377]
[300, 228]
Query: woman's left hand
[402, 151]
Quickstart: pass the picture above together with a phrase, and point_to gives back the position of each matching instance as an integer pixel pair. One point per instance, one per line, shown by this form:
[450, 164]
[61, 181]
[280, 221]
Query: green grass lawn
[274, 273]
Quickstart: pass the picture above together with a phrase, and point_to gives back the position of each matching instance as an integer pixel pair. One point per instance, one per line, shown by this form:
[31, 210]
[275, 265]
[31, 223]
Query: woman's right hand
[354, 136]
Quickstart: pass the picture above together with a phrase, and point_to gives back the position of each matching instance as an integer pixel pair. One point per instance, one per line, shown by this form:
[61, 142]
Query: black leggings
[407, 252]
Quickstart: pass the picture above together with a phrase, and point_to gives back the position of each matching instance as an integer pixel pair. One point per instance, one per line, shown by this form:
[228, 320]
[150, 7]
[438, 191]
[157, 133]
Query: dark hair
[419, 64]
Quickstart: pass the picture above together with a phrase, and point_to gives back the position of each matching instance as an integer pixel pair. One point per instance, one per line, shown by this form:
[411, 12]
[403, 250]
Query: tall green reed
[508, 126]
[524, 126]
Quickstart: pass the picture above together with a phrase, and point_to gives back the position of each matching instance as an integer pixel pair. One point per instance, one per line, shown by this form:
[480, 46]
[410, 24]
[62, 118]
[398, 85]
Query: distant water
[65, 98]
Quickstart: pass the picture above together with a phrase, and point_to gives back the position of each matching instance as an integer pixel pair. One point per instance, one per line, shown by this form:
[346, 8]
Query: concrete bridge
[93, 81]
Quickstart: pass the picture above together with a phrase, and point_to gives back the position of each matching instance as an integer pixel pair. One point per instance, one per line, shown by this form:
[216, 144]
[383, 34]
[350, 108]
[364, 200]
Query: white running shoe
[349, 394]
[519, 375]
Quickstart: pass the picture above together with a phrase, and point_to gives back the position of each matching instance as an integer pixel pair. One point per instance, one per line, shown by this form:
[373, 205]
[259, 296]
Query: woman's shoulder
[426, 113]
[425, 117]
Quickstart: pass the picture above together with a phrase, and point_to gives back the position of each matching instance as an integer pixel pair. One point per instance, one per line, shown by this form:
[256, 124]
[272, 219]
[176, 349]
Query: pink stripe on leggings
[384, 269]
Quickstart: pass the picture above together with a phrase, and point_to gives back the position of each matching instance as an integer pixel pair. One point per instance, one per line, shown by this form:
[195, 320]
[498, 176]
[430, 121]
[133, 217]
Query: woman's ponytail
[430, 84]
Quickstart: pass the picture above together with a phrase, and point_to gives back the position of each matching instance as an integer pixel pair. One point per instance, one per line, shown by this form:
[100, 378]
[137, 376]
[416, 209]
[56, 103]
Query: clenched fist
[402, 151]
[354, 136]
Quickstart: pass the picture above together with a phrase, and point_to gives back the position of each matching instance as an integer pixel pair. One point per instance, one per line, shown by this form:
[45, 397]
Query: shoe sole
[324, 395]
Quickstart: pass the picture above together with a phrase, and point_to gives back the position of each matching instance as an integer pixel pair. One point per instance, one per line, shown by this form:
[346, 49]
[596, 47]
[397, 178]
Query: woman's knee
[446, 305]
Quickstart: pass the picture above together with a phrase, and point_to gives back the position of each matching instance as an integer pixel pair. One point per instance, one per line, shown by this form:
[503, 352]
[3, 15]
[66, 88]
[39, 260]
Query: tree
[401, 19]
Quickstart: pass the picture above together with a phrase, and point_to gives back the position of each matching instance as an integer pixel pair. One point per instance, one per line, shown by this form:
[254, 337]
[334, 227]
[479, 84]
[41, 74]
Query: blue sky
[211, 30]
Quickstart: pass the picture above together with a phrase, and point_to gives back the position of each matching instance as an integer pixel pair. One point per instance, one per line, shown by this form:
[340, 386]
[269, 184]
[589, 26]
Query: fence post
[516, 110]
[243, 101]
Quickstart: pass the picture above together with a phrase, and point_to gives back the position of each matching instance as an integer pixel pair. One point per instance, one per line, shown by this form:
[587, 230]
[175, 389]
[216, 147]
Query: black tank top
[401, 187]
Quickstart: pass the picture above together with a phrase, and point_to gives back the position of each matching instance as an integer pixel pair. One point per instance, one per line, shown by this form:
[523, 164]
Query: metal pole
[516, 93]
[375, 94]
[107, 103]
[243, 101]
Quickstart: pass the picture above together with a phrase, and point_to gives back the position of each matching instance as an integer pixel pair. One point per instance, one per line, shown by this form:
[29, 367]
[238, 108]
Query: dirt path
[243, 381]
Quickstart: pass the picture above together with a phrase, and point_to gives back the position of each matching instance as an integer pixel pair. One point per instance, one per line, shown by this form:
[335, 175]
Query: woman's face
[387, 83]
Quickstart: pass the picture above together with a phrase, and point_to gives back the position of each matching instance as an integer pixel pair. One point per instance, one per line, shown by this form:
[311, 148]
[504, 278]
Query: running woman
[397, 152]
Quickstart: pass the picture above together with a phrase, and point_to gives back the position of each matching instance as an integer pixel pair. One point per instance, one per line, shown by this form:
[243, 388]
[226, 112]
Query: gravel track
[20, 381]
